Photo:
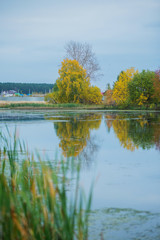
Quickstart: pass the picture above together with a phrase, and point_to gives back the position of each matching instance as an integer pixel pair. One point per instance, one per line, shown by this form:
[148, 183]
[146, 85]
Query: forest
[26, 88]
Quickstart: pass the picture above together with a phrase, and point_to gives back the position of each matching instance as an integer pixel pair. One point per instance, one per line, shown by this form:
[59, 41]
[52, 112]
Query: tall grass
[35, 196]
[49, 105]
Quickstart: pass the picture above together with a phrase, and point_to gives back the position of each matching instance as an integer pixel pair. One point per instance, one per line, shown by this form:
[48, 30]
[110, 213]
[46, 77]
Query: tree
[141, 87]
[108, 86]
[108, 97]
[26, 87]
[156, 86]
[73, 82]
[94, 95]
[120, 89]
[82, 52]
[74, 85]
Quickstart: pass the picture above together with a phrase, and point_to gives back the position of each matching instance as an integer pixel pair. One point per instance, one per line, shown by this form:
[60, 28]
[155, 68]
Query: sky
[33, 33]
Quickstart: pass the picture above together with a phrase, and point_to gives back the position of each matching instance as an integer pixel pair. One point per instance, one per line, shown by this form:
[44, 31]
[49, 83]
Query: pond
[119, 150]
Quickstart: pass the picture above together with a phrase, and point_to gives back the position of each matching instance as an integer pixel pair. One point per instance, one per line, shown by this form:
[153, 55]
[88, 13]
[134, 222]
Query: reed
[33, 105]
[35, 196]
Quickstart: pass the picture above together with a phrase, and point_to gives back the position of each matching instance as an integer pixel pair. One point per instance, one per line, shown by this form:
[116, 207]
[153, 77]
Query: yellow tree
[73, 85]
[120, 90]
[94, 95]
[73, 82]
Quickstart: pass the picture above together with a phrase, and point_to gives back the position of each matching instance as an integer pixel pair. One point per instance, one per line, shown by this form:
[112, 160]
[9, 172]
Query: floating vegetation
[124, 223]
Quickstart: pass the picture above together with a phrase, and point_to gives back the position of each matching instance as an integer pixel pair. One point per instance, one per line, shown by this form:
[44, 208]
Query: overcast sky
[122, 33]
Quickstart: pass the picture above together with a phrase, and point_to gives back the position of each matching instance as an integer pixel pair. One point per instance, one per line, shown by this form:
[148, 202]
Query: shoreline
[8, 105]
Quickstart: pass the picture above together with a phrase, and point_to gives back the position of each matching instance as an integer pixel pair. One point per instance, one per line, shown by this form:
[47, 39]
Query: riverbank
[42, 105]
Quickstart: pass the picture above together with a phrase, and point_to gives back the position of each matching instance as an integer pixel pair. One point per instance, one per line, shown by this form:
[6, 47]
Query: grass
[35, 201]
[43, 105]
[47, 105]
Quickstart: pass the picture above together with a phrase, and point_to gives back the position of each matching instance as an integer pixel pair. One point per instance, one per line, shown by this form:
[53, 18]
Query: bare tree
[82, 52]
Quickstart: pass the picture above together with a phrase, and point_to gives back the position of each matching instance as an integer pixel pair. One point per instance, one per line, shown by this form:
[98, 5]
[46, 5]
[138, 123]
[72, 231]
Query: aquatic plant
[36, 201]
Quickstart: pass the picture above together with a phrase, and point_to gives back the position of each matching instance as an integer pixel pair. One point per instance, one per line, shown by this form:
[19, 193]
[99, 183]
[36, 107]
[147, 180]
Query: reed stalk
[35, 196]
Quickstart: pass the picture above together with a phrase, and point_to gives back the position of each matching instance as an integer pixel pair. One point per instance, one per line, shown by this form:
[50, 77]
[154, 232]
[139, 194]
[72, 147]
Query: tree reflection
[141, 132]
[134, 131]
[88, 153]
[121, 128]
[74, 132]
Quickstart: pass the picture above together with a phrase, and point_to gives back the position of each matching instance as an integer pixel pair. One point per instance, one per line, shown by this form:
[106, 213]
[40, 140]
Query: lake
[119, 150]
[22, 99]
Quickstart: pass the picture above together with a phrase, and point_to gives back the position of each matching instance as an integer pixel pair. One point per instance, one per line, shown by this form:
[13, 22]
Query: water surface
[119, 150]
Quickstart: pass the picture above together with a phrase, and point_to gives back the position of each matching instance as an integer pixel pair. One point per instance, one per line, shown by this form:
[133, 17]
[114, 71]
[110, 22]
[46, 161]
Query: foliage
[108, 86]
[74, 85]
[108, 97]
[55, 87]
[142, 99]
[94, 95]
[26, 88]
[141, 87]
[51, 97]
[34, 202]
[120, 90]
[156, 86]
[82, 52]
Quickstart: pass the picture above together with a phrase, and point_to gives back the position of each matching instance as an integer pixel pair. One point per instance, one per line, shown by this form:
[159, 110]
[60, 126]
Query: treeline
[134, 88]
[26, 88]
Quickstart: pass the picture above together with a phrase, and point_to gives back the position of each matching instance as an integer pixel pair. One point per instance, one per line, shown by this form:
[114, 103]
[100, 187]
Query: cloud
[37, 30]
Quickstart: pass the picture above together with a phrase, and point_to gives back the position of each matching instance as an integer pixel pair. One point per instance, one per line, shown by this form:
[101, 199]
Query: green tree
[141, 87]
[156, 86]
[26, 87]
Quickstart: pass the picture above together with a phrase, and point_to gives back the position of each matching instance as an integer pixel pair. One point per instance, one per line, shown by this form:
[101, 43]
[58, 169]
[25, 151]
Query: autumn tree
[141, 87]
[108, 97]
[156, 86]
[94, 95]
[74, 85]
[82, 52]
[120, 89]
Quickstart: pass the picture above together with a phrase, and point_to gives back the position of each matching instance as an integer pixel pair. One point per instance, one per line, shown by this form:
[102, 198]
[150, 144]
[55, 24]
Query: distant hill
[26, 88]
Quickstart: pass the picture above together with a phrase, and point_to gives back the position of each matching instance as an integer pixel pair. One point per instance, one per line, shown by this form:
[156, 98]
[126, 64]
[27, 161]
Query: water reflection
[74, 133]
[135, 130]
